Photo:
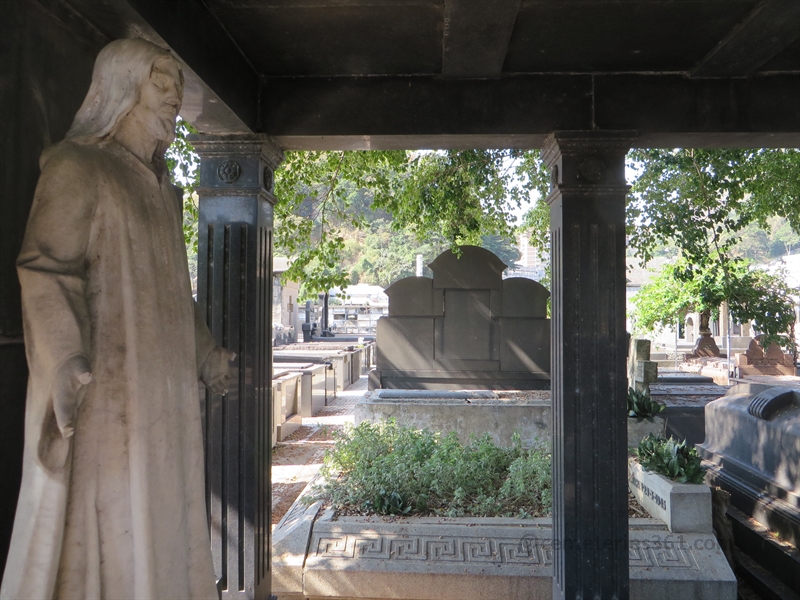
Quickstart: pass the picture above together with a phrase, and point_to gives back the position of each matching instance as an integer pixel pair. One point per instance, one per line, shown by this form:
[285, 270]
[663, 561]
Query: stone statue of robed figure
[112, 503]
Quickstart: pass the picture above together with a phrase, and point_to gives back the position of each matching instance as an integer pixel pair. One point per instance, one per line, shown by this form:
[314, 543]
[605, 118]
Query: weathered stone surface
[525, 345]
[485, 559]
[312, 398]
[405, 343]
[459, 380]
[587, 233]
[684, 507]
[705, 346]
[414, 297]
[474, 416]
[753, 447]
[112, 496]
[485, 325]
[641, 370]
[433, 395]
[638, 429]
[290, 543]
[374, 379]
[476, 269]
[465, 332]
[755, 361]
[523, 297]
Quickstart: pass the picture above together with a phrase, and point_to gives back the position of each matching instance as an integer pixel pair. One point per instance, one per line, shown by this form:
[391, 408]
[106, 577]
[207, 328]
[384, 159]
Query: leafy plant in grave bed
[387, 469]
[670, 458]
[641, 406]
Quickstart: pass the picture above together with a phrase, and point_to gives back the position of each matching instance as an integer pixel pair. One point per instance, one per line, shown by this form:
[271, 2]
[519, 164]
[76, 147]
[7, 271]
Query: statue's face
[160, 100]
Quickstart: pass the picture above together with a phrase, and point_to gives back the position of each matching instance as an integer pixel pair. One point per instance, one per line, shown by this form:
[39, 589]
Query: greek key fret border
[473, 549]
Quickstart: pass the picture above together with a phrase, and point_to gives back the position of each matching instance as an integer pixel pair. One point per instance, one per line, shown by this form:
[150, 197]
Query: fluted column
[234, 291]
[588, 349]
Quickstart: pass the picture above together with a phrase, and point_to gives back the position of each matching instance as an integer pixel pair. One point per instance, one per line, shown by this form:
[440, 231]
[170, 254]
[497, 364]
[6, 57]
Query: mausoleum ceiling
[460, 73]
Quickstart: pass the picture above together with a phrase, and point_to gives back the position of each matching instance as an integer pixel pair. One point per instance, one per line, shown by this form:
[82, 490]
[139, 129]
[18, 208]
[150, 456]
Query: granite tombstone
[466, 328]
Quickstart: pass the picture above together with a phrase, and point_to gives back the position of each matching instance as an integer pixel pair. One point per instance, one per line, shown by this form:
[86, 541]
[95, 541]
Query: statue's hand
[216, 372]
[68, 391]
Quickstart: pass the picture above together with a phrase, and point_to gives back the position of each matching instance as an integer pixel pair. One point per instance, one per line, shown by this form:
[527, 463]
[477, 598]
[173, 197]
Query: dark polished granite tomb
[467, 328]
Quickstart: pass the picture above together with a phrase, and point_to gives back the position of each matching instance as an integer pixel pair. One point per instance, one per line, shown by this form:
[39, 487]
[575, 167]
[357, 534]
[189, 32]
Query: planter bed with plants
[666, 478]
[484, 530]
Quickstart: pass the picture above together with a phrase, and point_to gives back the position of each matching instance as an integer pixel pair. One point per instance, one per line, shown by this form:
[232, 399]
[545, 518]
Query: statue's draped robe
[118, 510]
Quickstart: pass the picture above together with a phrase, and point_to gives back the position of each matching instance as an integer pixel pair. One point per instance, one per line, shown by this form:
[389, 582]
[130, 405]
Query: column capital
[236, 164]
[238, 143]
[587, 163]
[571, 143]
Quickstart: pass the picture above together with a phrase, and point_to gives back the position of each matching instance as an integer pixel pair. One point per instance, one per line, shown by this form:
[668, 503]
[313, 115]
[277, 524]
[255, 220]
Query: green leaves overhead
[455, 196]
[316, 191]
[459, 194]
[701, 201]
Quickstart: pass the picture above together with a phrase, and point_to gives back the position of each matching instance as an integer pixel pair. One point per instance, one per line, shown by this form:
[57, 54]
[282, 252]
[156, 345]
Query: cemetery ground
[298, 459]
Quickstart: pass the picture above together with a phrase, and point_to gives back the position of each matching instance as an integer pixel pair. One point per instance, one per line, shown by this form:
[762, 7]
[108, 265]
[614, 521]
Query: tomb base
[457, 380]
[468, 413]
[318, 556]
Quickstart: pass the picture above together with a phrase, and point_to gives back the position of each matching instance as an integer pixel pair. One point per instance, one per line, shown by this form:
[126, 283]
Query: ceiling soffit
[367, 69]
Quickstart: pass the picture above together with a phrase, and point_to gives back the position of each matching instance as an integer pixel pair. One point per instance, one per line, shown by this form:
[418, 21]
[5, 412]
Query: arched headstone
[466, 328]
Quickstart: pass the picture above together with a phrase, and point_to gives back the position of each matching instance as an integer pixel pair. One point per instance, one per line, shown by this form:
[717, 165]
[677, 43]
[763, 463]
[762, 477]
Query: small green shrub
[642, 406]
[388, 469]
[670, 458]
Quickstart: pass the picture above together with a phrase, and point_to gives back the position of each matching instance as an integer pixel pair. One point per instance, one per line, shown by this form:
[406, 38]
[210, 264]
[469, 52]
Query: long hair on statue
[121, 68]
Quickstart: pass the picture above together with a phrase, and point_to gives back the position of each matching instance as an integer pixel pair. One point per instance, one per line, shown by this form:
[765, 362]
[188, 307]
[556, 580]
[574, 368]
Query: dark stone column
[588, 347]
[234, 290]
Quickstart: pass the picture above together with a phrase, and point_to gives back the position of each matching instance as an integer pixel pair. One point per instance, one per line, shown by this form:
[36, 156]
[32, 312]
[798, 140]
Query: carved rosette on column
[588, 353]
[234, 291]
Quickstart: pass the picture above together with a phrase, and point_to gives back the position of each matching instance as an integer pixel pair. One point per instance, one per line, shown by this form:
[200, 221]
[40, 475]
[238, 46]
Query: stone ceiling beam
[432, 112]
[476, 37]
[771, 27]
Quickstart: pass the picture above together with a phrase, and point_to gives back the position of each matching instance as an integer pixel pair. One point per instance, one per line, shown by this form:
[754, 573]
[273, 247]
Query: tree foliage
[752, 295]
[184, 165]
[701, 201]
[459, 194]
[456, 197]
[316, 191]
[422, 202]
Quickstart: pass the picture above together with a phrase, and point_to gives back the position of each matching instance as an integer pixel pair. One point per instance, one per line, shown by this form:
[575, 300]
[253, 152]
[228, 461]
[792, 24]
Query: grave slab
[464, 327]
[523, 297]
[525, 345]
